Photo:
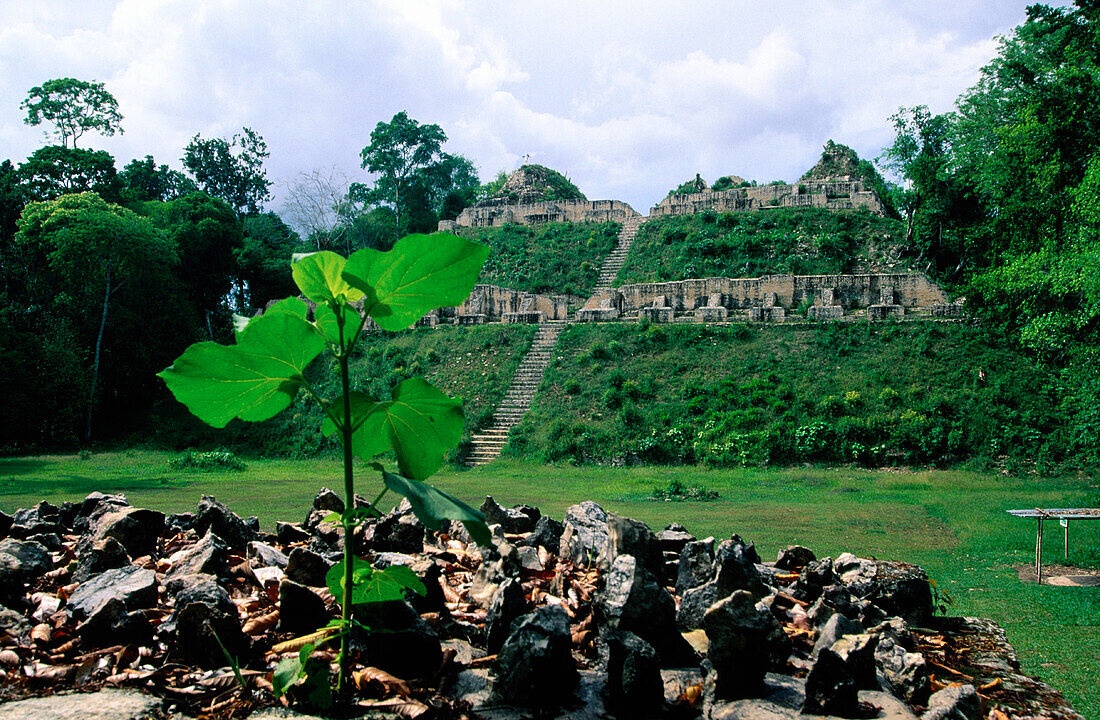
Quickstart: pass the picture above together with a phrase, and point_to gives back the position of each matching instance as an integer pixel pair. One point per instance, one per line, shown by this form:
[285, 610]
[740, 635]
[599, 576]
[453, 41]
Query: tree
[207, 236]
[263, 269]
[74, 107]
[91, 250]
[941, 209]
[397, 150]
[144, 180]
[317, 203]
[54, 170]
[231, 170]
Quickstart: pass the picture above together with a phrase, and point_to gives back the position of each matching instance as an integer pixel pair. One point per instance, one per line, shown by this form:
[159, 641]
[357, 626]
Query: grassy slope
[556, 258]
[798, 241]
[952, 523]
[733, 395]
[475, 363]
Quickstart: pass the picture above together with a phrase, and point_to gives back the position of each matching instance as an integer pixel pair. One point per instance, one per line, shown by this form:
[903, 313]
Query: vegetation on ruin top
[796, 241]
[551, 259]
[531, 183]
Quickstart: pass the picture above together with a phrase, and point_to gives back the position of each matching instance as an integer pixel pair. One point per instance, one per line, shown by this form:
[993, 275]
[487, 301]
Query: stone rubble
[623, 622]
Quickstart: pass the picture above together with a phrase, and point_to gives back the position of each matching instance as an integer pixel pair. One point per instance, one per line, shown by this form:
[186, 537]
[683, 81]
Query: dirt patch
[1061, 575]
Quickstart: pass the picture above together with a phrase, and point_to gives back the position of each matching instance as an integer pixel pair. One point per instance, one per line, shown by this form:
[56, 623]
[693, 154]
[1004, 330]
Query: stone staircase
[614, 262]
[486, 445]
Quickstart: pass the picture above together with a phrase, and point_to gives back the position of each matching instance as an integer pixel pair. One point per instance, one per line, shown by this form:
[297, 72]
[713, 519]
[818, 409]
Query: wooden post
[1039, 552]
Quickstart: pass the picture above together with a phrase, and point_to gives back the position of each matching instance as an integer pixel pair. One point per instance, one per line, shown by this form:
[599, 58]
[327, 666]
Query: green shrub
[211, 461]
[676, 491]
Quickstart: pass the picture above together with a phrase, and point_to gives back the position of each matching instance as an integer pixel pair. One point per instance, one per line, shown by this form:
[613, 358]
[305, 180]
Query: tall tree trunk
[95, 362]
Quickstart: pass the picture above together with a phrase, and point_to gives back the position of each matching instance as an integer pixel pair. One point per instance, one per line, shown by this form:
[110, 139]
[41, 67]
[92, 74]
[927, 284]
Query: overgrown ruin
[839, 181]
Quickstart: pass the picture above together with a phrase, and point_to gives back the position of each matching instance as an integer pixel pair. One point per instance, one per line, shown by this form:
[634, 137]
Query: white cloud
[627, 98]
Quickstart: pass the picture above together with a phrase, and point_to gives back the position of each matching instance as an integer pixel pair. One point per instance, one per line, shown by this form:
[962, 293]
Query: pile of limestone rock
[593, 616]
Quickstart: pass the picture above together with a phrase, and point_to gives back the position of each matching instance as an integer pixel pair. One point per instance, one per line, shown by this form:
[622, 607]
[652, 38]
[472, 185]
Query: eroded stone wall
[495, 303]
[831, 195]
[541, 212]
[702, 296]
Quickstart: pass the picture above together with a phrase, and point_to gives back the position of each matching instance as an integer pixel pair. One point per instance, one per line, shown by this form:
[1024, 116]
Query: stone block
[597, 314]
[656, 314]
[949, 310]
[825, 312]
[523, 318]
[472, 319]
[767, 314]
[711, 314]
[876, 313]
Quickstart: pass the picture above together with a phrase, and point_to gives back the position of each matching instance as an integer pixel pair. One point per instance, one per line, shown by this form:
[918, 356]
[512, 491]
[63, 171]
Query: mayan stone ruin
[839, 181]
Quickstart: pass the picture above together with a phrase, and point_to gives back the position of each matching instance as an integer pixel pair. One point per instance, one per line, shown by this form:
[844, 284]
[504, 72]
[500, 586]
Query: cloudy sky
[626, 98]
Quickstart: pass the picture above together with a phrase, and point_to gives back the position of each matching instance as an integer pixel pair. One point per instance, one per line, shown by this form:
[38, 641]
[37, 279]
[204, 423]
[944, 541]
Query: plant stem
[349, 503]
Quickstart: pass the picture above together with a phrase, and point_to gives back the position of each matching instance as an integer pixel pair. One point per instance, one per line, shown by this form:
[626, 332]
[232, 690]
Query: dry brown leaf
[390, 684]
[10, 658]
[951, 671]
[481, 662]
[692, 694]
[298, 643]
[991, 685]
[405, 708]
[55, 673]
[261, 623]
[41, 634]
[996, 714]
[64, 649]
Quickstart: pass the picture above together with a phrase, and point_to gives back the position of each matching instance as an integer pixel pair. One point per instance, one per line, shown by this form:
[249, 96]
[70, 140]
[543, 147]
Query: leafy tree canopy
[231, 170]
[92, 254]
[144, 180]
[55, 170]
[74, 107]
[415, 176]
[263, 272]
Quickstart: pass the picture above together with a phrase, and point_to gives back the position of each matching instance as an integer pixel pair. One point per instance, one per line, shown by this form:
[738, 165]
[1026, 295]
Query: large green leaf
[327, 324]
[371, 585]
[420, 424]
[252, 380]
[361, 406]
[317, 275]
[420, 273]
[433, 506]
[290, 305]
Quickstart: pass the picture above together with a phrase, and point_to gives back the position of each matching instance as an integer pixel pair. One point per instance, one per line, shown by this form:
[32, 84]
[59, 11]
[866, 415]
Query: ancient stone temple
[837, 182]
[533, 195]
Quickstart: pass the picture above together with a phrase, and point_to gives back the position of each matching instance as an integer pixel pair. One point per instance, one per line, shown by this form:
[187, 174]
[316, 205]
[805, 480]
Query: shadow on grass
[23, 466]
[82, 485]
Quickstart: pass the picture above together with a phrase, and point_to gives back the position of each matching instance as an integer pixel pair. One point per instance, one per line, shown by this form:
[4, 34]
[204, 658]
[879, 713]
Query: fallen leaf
[692, 694]
[41, 634]
[261, 623]
[298, 643]
[390, 683]
[481, 662]
[404, 708]
[10, 658]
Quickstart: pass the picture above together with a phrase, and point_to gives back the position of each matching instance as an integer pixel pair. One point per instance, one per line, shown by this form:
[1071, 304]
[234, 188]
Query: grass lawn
[951, 523]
